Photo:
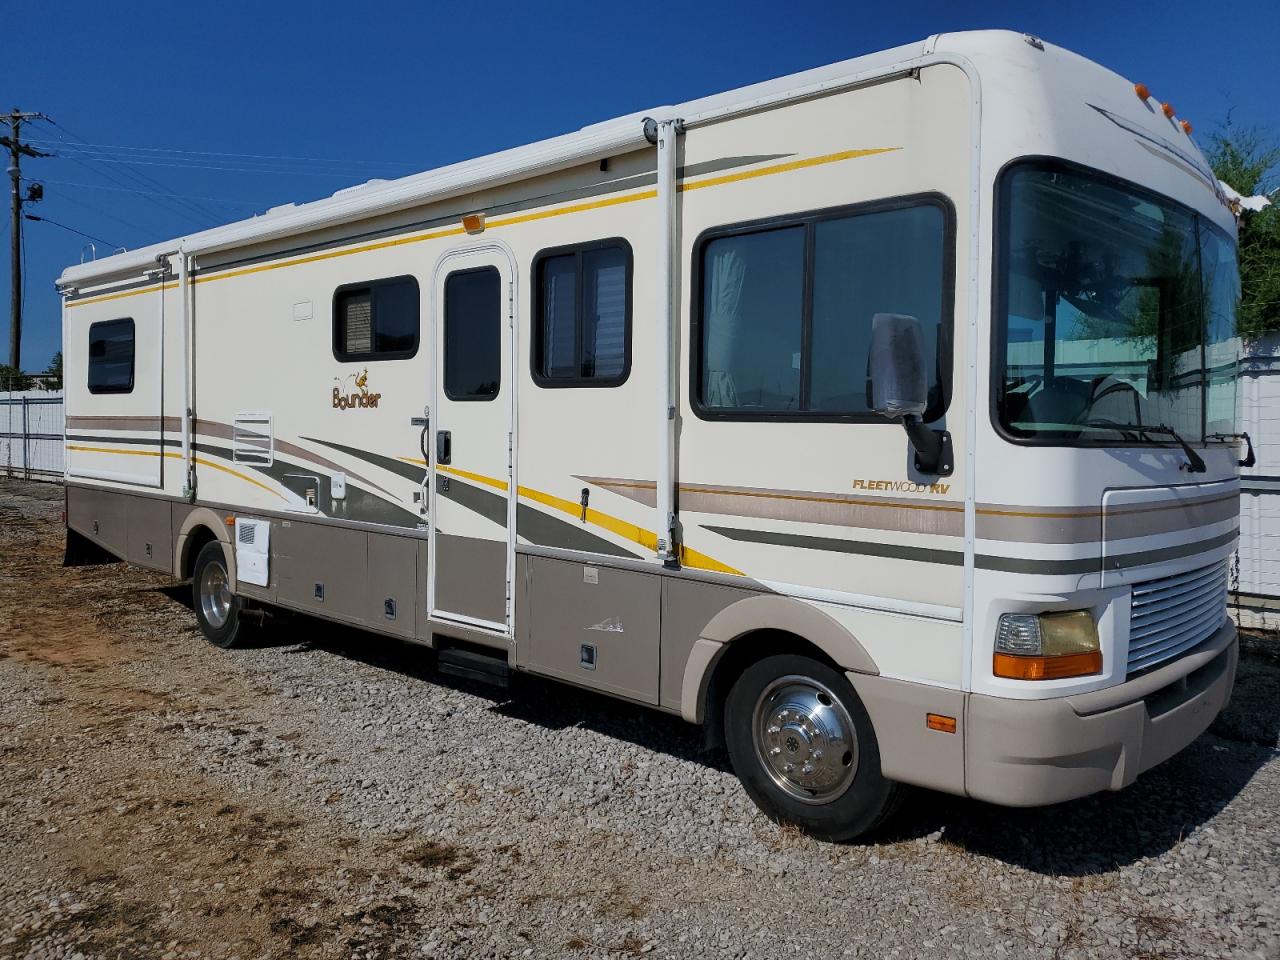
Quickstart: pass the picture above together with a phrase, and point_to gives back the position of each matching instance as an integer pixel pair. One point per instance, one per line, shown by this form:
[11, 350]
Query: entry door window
[473, 334]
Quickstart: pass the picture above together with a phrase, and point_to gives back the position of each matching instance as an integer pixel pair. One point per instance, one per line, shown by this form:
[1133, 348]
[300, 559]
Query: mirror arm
[934, 455]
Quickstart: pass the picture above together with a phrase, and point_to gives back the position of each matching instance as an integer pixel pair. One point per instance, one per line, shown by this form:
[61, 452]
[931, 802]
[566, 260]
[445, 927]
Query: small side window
[582, 315]
[473, 334]
[378, 320]
[111, 356]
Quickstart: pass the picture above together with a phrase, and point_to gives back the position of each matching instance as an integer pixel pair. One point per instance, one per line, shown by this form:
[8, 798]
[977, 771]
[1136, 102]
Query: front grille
[1174, 614]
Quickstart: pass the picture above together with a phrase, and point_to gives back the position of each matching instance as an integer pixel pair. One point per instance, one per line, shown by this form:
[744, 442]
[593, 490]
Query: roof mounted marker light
[1142, 90]
[1167, 110]
[1186, 127]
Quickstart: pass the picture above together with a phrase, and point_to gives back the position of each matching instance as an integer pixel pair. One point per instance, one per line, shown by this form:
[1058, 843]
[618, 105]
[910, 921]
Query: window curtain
[728, 274]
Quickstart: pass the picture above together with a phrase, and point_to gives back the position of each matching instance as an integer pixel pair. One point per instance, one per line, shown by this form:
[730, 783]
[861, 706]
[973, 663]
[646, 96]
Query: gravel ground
[327, 795]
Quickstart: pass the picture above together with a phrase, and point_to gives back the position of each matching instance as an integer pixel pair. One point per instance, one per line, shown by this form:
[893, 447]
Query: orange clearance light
[1142, 90]
[231, 521]
[936, 721]
[1186, 127]
[473, 223]
[1167, 110]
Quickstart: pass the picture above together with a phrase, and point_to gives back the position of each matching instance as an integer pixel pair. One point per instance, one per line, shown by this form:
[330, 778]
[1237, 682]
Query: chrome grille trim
[1171, 615]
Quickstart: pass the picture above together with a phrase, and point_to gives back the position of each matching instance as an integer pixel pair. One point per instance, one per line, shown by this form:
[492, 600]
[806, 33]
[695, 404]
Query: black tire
[210, 570]
[842, 795]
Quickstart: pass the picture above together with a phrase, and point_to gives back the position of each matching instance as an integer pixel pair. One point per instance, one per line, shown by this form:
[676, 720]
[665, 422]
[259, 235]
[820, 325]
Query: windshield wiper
[1194, 463]
[1249, 459]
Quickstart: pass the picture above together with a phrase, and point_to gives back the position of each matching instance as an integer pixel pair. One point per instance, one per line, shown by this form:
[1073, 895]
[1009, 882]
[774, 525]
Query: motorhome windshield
[1116, 308]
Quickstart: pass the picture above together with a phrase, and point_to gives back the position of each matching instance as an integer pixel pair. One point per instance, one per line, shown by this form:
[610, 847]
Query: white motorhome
[879, 418]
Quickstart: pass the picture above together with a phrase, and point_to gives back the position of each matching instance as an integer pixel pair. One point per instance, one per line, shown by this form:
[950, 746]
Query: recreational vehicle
[880, 419]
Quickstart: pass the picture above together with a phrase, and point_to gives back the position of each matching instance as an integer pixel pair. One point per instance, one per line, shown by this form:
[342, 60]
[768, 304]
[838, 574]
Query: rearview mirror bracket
[933, 453]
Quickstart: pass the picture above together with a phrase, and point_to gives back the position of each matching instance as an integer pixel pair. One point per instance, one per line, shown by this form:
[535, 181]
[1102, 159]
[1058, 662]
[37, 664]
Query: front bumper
[1031, 752]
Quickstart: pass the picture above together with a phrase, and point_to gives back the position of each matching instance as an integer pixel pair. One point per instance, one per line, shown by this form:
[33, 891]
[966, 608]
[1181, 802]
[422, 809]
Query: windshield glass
[1118, 308]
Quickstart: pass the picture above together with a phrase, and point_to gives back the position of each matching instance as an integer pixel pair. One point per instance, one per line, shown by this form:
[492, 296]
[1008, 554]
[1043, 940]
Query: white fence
[31, 427]
[1256, 589]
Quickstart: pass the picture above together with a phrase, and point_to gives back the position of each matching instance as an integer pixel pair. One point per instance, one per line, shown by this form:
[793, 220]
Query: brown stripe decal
[1015, 524]
[1090, 525]
[125, 423]
[941, 517]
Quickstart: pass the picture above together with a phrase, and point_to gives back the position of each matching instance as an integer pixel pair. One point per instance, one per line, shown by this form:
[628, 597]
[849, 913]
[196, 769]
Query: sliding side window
[377, 320]
[783, 310]
[111, 356]
[473, 334]
[582, 315]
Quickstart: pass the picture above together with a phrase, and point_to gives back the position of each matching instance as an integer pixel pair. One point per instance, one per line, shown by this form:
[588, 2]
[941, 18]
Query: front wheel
[217, 608]
[803, 746]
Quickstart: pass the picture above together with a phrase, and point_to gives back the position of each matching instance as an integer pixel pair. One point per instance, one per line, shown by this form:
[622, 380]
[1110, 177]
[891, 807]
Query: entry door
[472, 555]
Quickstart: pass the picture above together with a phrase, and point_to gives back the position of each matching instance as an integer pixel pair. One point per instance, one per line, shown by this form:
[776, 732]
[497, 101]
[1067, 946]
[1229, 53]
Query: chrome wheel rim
[215, 594]
[804, 739]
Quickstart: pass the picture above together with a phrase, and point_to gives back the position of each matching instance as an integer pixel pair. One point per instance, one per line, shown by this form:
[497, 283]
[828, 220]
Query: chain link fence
[32, 423]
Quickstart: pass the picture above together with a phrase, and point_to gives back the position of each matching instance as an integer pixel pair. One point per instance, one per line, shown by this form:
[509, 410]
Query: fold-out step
[472, 663]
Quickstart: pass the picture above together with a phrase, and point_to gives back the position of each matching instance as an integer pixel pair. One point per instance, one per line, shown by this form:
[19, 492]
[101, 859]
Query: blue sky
[385, 89]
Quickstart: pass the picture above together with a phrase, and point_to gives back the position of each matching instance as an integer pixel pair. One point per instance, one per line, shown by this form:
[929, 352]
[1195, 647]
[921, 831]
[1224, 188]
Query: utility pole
[17, 150]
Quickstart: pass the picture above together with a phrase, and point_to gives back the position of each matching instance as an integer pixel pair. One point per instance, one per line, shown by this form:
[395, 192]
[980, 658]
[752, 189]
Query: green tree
[1248, 159]
[11, 379]
[54, 372]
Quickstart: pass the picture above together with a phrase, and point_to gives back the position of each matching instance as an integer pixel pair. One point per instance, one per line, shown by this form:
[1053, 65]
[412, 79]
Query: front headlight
[1047, 646]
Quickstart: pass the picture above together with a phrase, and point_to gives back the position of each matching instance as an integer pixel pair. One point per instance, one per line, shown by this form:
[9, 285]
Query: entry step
[471, 663]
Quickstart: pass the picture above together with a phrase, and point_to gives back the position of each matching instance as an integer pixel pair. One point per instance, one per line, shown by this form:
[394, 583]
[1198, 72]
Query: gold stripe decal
[175, 456]
[120, 296]
[516, 219]
[615, 525]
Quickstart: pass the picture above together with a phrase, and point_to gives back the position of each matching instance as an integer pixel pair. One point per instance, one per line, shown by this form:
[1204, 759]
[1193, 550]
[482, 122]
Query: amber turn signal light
[1167, 110]
[1016, 667]
[1142, 91]
[936, 721]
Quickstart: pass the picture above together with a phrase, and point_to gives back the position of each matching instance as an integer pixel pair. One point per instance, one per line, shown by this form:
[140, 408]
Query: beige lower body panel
[1035, 752]
[909, 751]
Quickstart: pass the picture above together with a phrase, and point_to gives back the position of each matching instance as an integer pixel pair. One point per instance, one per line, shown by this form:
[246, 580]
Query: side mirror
[898, 375]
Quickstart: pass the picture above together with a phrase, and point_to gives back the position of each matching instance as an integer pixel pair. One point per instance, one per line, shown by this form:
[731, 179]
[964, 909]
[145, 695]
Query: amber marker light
[1142, 90]
[473, 223]
[231, 521]
[1167, 110]
[1186, 127]
[936, 721]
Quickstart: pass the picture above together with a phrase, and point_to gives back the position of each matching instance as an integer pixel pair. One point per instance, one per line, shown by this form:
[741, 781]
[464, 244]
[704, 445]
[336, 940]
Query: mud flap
[83, 552]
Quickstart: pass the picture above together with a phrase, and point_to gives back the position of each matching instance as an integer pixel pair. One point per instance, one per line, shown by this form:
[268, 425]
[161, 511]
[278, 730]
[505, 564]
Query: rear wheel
[803, 746]
[217, 608]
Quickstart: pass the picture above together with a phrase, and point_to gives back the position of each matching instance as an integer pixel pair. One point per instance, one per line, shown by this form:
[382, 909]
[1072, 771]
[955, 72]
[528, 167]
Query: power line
[105, 213]
[185, 196]
[113, 246]
[145, 179]
[210, 166]
[201, 214]
[109, 148]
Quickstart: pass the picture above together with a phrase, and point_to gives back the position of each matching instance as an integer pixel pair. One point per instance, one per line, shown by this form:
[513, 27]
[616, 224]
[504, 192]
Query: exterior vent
[252, 440]
[1174, 614]
[246, 534]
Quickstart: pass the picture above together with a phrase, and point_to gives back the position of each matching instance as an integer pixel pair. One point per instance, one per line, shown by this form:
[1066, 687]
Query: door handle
[444, 447]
